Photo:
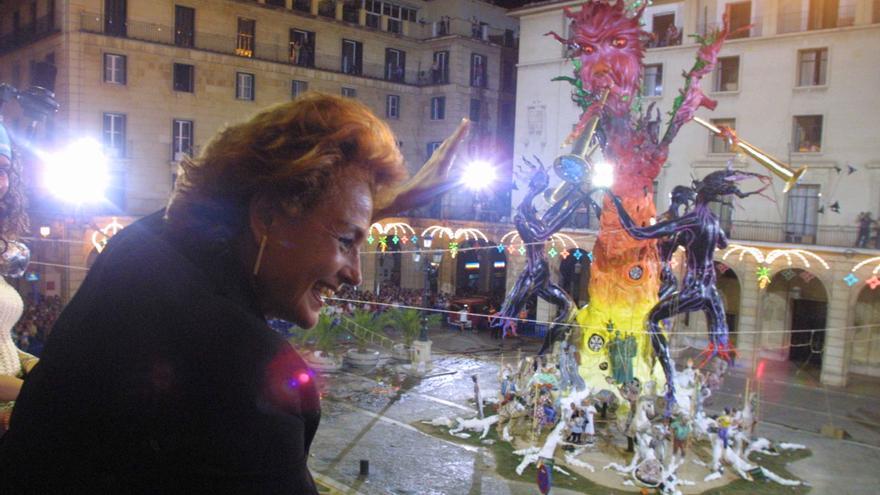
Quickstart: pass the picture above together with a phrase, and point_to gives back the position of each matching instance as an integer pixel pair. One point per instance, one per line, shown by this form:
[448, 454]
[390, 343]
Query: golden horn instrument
[778, 167]
[583, 147]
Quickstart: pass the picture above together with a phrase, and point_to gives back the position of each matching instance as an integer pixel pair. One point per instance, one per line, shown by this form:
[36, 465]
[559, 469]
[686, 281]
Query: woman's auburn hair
[292, 154]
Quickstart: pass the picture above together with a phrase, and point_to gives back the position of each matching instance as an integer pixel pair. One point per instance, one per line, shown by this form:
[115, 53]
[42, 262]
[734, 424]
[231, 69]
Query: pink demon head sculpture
[607, 43]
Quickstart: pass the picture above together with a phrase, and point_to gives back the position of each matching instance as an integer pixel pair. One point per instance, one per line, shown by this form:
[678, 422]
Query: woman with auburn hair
[161, 375]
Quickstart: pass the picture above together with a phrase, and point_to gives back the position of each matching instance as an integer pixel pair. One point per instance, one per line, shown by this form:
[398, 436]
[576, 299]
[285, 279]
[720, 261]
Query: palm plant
[324, 335]
[361, 322]
[408, 321]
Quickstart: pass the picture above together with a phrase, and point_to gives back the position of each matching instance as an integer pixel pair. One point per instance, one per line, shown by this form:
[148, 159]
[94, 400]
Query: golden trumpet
[583, 147]
[778, 167]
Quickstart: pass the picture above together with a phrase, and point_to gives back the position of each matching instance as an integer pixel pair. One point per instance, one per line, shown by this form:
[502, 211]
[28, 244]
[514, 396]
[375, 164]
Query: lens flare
[78, 173]
[478, 174]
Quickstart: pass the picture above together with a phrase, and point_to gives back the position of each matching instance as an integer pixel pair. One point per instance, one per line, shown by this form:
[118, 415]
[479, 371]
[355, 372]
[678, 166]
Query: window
[302, 48]
[440, 68]
[114, 68]
[327, 8]
[506, 119]
[184, 78]
[395, 19]
[373, 10]
[724, 211]
[432, 146]
[717, 144]
[395, 65]
[114, 135]
[740, 15]
[664, 30]
[474, 115]
[244, 86]
[392, 106]
[115, 17]
[349, 92]
[825, 14]
[652, 84]
[802, 213]
[298, 87]
[275, 3]
[726, 74]
[184, 26]
[244, 41]
[812, 67]
[438, 108]
[352, 57]
[807, 135]
[508, 80]
[478, 70]
[181, 139]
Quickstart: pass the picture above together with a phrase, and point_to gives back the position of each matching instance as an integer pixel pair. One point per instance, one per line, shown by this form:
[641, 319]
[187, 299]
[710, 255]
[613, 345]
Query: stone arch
[794, 316]
[730, 288]
[865, 337]
[574, 272]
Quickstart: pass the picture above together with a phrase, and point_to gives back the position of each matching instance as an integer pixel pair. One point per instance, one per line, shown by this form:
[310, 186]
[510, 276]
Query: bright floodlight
[477, 175]
[603, 175]
[78, 173]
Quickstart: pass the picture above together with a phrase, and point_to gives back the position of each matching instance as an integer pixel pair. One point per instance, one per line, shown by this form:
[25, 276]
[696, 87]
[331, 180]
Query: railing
[754, 31]
[820, 235]
[366, 335]
[28, 34]
[245, 46]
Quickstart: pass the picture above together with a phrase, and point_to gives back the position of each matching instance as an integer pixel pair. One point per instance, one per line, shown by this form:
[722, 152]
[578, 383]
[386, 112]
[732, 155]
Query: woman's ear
[261, 213]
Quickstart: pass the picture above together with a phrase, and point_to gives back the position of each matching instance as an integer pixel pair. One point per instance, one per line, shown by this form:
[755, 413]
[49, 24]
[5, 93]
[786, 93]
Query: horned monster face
[609, 46]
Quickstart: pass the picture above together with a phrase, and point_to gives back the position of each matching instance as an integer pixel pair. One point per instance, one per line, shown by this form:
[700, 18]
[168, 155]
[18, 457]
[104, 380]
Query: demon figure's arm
[522, 289]
[692, 97]
[656, 231]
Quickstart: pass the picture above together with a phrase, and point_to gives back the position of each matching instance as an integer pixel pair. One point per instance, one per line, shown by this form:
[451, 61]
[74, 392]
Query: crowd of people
[36, 321]
[388, 296]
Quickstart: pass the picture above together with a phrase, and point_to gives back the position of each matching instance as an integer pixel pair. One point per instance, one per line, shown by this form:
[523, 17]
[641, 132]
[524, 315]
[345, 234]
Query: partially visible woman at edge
[161, 375]
[14, 363]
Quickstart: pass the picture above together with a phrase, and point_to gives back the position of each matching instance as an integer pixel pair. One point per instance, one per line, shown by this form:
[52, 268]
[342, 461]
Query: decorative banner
[851, 279]
[763, 277]
[590, 255]
[522, 250]
[370, 239]
[453, 249]
[564, 253]
[383, 243]
[552, 252]
[395, 239]
[578, 254]
[874, 282]
[807, 276]
[500, 247]
[788, 274]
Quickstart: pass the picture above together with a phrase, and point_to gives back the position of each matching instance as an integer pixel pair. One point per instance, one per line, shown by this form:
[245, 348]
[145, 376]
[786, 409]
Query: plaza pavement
[404, 460]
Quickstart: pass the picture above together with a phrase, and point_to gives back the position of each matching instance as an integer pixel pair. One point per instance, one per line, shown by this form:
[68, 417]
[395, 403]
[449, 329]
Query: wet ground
[370, 416]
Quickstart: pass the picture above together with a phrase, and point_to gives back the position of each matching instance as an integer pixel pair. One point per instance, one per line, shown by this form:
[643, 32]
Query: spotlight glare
[78, 173]
[603, 175]
[478, 175]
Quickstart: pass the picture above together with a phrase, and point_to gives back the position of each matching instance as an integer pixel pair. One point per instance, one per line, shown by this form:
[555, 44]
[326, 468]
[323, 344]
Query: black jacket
[161, 376]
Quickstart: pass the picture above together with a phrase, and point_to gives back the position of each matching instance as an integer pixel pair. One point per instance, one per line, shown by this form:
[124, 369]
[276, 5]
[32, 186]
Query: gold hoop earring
[260, 255]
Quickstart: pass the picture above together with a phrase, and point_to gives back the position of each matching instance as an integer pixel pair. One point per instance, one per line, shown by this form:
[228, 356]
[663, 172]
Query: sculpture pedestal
[421, 356]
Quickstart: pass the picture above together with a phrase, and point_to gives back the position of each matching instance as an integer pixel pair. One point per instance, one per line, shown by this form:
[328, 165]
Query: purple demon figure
[535, 278]
[700, 233]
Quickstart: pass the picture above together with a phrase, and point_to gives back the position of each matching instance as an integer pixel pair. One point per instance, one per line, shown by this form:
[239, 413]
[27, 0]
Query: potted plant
[408, 322]
[324, 337]
[360, 324]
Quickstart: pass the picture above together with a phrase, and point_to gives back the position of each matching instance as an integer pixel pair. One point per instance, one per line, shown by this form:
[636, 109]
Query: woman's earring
[260, 255]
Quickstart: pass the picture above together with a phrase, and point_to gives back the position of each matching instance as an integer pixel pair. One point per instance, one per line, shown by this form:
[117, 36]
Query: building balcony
[246, 46]
[806, 20]
[782, 233]
[31, 33]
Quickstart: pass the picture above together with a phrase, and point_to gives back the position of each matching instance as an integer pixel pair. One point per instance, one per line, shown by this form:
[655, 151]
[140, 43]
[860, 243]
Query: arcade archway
[794, 317]
[729, 288]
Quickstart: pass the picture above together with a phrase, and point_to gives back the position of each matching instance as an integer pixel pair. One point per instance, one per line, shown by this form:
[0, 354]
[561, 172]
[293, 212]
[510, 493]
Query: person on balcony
[864, 233]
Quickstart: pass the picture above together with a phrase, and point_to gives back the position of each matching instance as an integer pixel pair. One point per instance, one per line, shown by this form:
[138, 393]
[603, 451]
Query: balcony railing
[819, 235]
[245, 46]
[28, 34]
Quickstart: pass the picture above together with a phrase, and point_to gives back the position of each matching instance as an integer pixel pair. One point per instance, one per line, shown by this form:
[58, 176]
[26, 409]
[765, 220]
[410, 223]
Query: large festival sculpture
[620, 336]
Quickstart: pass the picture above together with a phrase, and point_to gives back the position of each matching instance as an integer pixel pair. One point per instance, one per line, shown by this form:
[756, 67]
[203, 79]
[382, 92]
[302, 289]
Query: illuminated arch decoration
[744, 250]
[801, 254]
[439, 232]
[102, 235]
[873, 282]
[400, 233]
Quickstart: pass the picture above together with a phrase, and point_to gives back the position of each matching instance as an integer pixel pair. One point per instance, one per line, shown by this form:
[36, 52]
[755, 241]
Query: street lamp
[430, 267]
